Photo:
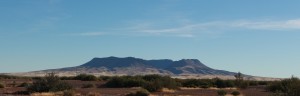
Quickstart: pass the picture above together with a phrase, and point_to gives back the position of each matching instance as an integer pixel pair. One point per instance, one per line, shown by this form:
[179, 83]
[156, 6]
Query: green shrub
[229, 83]
[2, 85]
[263, 82]
[67, 78]
[202, 83]
[36, 78]
[190, 83]
[61, 86]
[104, 78]
[86, 77]
[253, 83]
[274, 86]
[221, 92]
[153, 86]
[235, 93]
[68, 93]
[115, 82]
[220, 83]
[49, 83]
[133, 82]
[168, 82]
[150, 82]
[142, 92]
[286, 87]
[244, 85]
[152, 77]
[206, 83]
[157, 82]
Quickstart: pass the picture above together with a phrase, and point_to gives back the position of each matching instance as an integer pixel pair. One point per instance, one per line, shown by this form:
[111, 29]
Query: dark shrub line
[286, 87]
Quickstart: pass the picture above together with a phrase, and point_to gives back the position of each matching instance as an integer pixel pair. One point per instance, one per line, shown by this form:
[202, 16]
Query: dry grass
[102, 91]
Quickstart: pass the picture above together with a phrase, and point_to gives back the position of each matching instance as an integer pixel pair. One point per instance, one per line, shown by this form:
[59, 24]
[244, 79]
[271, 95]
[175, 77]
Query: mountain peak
[112, 62]
[183, 66]
[190, 60]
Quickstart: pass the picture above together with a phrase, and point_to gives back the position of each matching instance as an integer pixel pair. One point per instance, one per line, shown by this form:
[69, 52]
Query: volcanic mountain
[136, 66]
[112, 66]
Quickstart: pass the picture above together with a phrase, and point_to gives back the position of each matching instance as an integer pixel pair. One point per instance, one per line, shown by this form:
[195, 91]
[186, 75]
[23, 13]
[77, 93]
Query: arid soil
[11, 89]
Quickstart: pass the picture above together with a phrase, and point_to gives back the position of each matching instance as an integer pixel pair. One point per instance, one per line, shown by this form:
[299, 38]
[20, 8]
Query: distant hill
[112, 66]
[164, 66]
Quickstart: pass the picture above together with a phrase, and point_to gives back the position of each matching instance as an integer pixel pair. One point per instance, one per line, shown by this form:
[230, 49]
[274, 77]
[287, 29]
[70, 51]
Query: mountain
[111, 66]
[165, 66]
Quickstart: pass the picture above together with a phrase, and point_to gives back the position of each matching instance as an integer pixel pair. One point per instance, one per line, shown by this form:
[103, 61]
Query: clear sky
[256, 37]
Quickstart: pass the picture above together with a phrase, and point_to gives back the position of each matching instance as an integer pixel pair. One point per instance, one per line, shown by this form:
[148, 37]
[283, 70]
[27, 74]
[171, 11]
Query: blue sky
[256, 37]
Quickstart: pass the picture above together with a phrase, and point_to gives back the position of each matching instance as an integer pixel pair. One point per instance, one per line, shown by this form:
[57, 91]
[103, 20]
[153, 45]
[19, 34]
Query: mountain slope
[136, 66]
[111, 66]
[112, 62]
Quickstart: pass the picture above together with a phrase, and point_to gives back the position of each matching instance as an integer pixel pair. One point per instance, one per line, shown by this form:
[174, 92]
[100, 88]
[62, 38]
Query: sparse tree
[239, 76]
[238, 79]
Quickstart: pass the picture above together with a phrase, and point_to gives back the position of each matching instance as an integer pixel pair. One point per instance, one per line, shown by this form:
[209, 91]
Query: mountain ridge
[191, 66]
[116, 66]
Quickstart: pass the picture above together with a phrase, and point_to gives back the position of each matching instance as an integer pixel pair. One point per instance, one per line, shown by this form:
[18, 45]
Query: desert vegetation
[82, 77]
[286, 87]
[84, 84]
[2, 85]
[235, 93]
[151, 83]
[222, 92]
[141, 92]
[49, 83]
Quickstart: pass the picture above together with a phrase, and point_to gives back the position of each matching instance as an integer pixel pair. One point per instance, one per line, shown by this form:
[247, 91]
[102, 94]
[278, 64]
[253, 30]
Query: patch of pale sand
[61, 94]
[213, 88]
[92, 94]
[189, 88]
[232, 88]
[167, 90]
[169, 95]
[232, 95]
[43, 94]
